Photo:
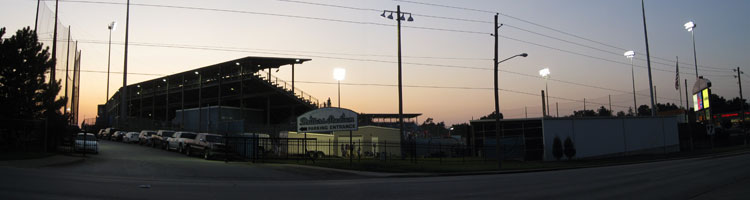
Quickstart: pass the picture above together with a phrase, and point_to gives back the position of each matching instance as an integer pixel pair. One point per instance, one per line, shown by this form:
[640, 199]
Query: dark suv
[159, 140]
[208, 145]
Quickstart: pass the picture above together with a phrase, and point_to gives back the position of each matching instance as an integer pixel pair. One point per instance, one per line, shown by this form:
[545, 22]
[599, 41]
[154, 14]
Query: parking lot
[119, 159]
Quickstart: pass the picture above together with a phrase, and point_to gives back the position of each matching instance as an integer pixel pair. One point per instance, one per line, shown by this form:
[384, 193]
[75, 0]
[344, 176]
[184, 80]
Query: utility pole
[400, 17]
[742, 101]
[497, 104]
[648, 60]
[124, 93]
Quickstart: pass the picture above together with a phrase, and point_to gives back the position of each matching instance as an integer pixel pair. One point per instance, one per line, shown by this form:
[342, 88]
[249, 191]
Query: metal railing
[288, 88]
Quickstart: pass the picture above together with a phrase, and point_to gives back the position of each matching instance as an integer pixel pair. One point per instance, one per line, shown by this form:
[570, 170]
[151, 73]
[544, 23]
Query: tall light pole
[111, 28]
[690, 26]
[545, 73]
[399, 17]
[124, 93]
[648, 60]
[630, 55]
[339, 74]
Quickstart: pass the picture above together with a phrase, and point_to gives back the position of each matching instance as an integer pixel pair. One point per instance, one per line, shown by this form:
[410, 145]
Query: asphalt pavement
[124, 171]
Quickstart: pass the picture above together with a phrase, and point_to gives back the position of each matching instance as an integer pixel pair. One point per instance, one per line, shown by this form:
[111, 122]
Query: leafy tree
[433, 129]
[666, 107]
[570, 148]
[630, 112]
[604, 112]
[584, 113]
[621, 114]
[24, 92]
[492, 115]
[557, 148]
[644, 110]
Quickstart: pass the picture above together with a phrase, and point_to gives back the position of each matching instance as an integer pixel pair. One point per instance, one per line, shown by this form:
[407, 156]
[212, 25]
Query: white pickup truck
[180, 141]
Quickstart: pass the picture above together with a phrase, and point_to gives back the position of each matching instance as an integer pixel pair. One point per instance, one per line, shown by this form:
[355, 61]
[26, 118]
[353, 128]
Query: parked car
[144, 138]
[117, 136]
[130, 137]
[160, 138]
[207, 145]
[107, 134]
[100, 134]
[90, 141]
[180, 140]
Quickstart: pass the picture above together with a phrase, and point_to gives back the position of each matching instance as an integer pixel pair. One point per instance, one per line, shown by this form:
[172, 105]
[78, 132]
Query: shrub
[557, 149]
[570, 148]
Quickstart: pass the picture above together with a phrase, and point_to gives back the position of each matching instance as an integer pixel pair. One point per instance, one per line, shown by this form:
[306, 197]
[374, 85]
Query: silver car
[91, 144]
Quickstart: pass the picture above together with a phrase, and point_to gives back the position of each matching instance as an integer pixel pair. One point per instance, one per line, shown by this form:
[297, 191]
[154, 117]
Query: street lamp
[689, 26]
[339, 74]
[497, 104]
[630, 55]
[112, 26]
[399, 18]
[545, 74]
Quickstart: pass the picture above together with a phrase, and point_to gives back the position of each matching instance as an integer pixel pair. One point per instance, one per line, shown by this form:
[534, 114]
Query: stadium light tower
[112, 26]
[545, 74]
[630, 55]
[339, 74]
[690, 26]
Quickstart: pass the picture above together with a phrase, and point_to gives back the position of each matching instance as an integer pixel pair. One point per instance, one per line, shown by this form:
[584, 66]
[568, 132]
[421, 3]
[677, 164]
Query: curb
[56, 160]
[416, 175]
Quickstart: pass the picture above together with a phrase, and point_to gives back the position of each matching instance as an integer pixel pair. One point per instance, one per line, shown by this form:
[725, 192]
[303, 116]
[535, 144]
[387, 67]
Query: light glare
[689, 26]
[629, 54]
[339, 74]
[544, 72]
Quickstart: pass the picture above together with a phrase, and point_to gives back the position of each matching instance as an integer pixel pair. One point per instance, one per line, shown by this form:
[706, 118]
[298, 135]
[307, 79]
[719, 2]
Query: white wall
[596, 137]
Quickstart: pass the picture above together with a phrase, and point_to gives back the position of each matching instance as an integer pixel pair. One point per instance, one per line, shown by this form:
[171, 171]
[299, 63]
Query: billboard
[701, 100]
[326, 120]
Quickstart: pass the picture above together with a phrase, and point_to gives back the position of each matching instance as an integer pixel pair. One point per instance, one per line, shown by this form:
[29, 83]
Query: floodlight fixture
[339, 74]
[544, 72]
[689, 26]
[629, 54]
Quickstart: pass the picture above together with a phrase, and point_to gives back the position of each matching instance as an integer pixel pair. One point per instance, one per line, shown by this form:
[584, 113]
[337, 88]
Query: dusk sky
[447, 73]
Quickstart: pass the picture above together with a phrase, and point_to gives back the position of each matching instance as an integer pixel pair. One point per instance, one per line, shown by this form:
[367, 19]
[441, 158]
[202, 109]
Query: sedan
[91, 144]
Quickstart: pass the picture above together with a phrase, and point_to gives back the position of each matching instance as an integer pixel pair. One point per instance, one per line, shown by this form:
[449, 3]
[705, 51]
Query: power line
[372, 60]
[552, 29]
[345, 21]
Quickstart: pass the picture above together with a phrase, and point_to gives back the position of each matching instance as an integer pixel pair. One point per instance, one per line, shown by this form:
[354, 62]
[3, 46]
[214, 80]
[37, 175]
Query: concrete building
[595, 137]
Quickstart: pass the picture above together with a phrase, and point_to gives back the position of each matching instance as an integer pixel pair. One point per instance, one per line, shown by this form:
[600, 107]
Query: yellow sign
[705, 98]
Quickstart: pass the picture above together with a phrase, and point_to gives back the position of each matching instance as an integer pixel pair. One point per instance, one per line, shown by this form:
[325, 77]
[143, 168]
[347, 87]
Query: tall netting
[67, 65]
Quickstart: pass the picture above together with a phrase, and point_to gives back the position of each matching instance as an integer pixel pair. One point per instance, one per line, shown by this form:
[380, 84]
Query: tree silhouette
[644, 110]
[570, 148]
[604, 112]
[492, 115]
[24, 92]
[557, 149]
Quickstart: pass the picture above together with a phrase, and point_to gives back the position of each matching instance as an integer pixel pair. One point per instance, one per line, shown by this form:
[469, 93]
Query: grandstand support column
[221, 80]
[153, 103]
[182, 102]
[242, 89]
[292, 78]
[268, 110]
[166, 102]
[200, 102]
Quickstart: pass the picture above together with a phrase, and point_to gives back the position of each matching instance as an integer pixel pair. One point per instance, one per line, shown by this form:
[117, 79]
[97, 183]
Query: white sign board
[327, 119]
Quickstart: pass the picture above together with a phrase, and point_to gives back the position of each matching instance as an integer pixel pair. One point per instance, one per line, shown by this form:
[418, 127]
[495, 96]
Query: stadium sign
[327, 119]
